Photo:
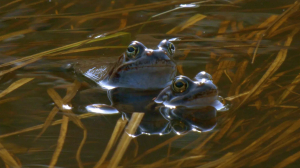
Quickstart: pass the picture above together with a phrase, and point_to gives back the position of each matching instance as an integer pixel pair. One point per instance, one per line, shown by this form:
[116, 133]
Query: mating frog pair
[148, 69]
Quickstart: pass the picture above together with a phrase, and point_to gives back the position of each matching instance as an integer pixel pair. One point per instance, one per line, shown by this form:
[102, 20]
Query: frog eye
[179, 85]
[171, 48]
[132, 52]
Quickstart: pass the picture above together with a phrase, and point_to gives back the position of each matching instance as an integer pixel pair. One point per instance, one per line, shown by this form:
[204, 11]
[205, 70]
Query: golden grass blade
[223, 27]
[133, 124]
[224, 129]
[113, 139]
[209, 68]
[132, 9]
[282, 18]
[157, 147]
[236, 96]
[233, 128]
[35, 57]
[225, 64]
[15, 86]
[71, 92]
[194, 19]
[10, 3]
[13, 34]
[255, 144]
[7, 158]
[59, 102]
[272, 69]
[271, 149]
[238, 76]
[288, 160]
[87, 49]
[216, 162]
[60, 141]
[289, 89]
[18, 66]
[82, 116]
[196, 149]
[80, 165]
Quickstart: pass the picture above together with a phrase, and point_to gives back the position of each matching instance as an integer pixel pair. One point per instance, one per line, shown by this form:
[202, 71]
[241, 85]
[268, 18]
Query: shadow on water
[52, 115]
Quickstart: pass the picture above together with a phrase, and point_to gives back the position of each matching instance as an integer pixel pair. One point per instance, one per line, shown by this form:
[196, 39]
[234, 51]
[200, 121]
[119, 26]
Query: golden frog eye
[179, 85]
[131, 52]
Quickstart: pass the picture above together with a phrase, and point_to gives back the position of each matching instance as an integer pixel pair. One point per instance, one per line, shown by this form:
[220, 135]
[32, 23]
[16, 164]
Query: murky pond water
[55, 115]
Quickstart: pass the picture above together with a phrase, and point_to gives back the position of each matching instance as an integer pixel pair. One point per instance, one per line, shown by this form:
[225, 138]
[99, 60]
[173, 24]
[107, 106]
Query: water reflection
[195, 108]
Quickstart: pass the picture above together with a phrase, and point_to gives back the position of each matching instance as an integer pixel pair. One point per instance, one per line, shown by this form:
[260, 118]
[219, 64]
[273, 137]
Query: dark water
[220, 44]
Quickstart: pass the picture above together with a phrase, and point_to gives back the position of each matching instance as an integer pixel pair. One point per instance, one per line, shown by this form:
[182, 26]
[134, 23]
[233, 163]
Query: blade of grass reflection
[120, 125]
[133, 124]
[59, 102]
[7, 158]
[238, 76]
[289, 89]
[71, 92]
[15, 86]
[157, 147]
[78, 159]
[198, 148]
[224, 129]
[255, 144]
[275, 25]
[272, 69]
[60, 141]
[217, 162]
[265, 153]
[37, 127]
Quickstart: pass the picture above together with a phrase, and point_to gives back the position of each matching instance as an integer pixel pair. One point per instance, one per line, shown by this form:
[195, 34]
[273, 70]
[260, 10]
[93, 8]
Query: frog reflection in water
[140, 68]
[196, 106]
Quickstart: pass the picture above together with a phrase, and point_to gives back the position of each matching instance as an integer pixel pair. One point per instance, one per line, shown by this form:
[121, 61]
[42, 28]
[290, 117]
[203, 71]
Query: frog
[139, 67]
[191, 94]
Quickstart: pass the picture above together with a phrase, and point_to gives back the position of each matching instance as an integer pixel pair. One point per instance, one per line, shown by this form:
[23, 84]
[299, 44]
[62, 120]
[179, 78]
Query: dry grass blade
[196, 149]
[15, 86]
[7, 158]
[59, 102]
[288, 160]
[133, 124]
[289, 89]
[216, 162]
[272, 69]
[223, 130]
[80, 165]
[238, 76]
[114, 137]
[36, 57]
[223, 65]
[157, 147]
[282, 18]
[10, 35]
[188, 23]
[71, 92]
[42, 126]
[255, 144]
[60, 142]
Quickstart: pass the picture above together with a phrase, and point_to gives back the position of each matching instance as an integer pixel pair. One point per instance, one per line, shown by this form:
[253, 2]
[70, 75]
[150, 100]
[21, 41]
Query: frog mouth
[147, 64]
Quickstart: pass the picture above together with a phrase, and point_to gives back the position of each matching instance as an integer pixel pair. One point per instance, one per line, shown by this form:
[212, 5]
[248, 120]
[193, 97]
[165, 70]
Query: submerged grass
[253, 63]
